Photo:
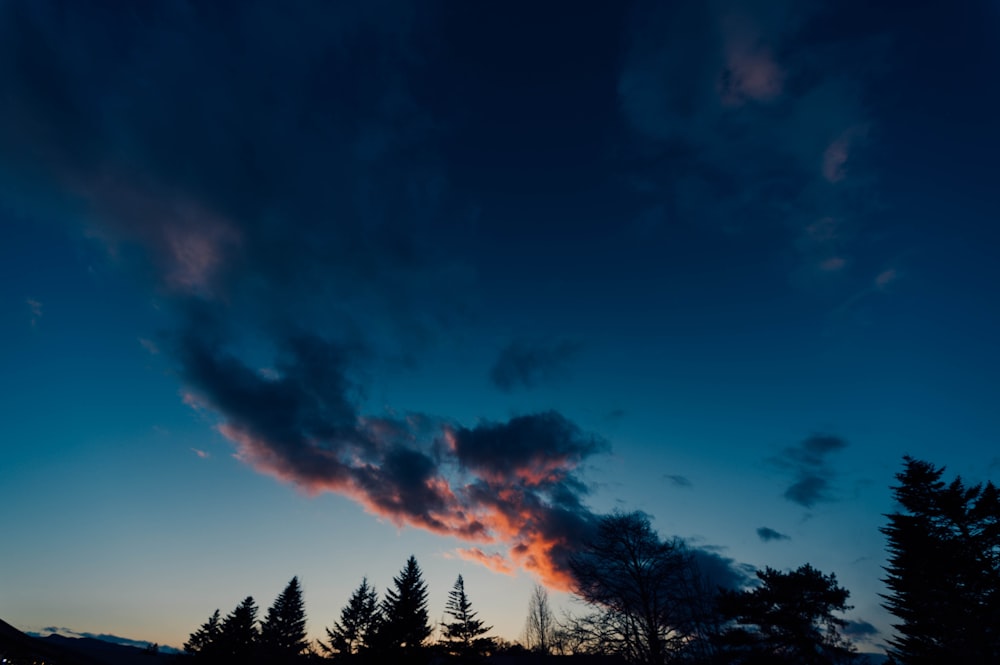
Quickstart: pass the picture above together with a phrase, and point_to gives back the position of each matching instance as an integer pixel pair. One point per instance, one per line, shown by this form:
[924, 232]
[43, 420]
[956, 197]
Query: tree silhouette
[787, 619]
[355, 632]
[283, 631]
[540, 625]
[405, 626]
[464, 635]
[238, 633]
[645, 592]
[203, 643]
[943, 572]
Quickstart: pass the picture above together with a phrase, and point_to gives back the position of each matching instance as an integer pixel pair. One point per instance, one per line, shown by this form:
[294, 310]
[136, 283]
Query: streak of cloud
[679, 481]
[767, 534]
[35, 311]
[522, 364]
[808, 463]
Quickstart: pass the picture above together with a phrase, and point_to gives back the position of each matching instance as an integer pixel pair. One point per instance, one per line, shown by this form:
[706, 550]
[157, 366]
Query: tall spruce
[238, 634]
[356, 631]
[203, 643]
[405, 627]
[283, 631]
[464, 636]
[943, 572]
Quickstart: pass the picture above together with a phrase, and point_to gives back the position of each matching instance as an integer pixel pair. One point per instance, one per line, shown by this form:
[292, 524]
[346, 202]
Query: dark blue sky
[454, 279]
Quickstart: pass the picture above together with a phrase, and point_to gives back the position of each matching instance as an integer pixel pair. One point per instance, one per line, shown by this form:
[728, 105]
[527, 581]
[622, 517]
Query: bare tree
[647, 596]
[540, 626]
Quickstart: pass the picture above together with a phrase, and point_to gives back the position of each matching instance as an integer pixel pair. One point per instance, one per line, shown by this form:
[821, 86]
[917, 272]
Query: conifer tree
[238, 635]
[943, 572]
[405, 628]
[464, 635]
[359, 621]
[283, 631]
[203, 643]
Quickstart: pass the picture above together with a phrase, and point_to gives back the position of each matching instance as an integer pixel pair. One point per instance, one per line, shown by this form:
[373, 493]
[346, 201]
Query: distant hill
[60, 650]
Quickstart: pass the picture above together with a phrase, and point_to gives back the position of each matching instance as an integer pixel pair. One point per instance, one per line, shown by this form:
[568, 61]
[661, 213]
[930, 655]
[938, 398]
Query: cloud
[885, 278]
[494, 561]
[720, 571]
[35, 309]
[752, 119]
[200, 453]
[523, 364]
[860, 630]
[103, 637]
[150, 346]
[767, 534]
[808, 464]
[679, 481]
[297, 218]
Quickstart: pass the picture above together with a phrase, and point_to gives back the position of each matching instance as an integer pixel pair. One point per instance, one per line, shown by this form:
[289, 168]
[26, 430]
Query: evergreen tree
[355, 633]
[203, 643]
[464, 635]
[787, 619]
[283, 631]
[943, 572]
[405, 627]
[238, 635]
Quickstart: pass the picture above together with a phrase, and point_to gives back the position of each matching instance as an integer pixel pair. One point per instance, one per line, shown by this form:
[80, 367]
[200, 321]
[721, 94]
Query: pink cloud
[494, 561]
[832, 264]
[750, 74]
[200, 453]
[885, 278]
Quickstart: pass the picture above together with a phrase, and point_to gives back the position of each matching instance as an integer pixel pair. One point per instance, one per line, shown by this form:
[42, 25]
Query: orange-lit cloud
[510, 485]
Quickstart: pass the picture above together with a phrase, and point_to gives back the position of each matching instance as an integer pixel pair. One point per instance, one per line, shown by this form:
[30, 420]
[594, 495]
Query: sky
[304, 290]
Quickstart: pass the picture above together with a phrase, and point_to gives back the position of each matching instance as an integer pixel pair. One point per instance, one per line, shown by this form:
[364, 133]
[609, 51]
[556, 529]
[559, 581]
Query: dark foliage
[203, 643]
[943, 572]
[238, 635]
[788, 619]
[405, 627]
[353, 636]
[463, 637]
[283, 631]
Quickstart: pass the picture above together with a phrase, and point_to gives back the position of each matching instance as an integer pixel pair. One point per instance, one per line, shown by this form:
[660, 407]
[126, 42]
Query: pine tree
[238, 634]
[406, 628]
[943, 572]
[359, 621]
[787, 619]
[203, 643]
[283, 631]
[464, 635]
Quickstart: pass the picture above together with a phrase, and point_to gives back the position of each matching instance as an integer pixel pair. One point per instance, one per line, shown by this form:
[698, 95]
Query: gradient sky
[306, 290]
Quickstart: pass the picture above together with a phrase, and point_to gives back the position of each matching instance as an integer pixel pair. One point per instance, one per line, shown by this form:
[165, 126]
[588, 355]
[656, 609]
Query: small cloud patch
[767, 534]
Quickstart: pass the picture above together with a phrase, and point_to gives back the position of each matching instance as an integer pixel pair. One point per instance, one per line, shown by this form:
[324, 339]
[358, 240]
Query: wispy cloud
[746, 122]
[767, 534]
[151, 347]
[523, 364]
[808, 462]
[200, 453]
[679, 481]
[35, 311]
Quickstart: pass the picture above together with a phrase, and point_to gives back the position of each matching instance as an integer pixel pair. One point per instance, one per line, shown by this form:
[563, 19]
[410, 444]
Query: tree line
[649, 604]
